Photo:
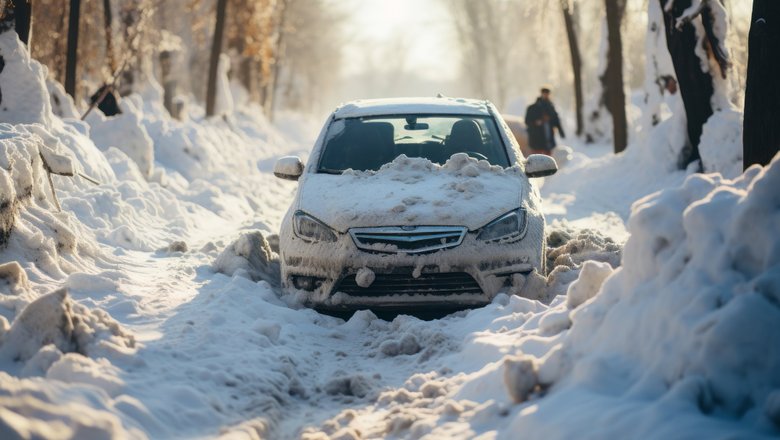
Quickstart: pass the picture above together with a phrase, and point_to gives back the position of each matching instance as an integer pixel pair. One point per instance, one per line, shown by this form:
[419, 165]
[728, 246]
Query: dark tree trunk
[246, 76]
[24, 22]
[216, 50]
[17, 15]
[108, 28]
[761, 135]
[6, 23]
[695, 85]
[612, 80]
[168, 82]
[73, 45]
[7, 16]
[576, 61]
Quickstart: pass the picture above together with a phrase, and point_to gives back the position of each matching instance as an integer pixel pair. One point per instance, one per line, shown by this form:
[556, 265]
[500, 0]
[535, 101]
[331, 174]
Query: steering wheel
[476, 155]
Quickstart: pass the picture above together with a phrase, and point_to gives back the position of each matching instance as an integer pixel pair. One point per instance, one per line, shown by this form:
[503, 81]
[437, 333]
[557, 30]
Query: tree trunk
[7, 23]
[279, 53]
[168, 82]
[108, 28]
[695, 85]
[17, 15]
[612, 80]
[761, 133]
[246, 74]
[576, 61]
[23, 9]
[7, 16]
[73, 44]
[216, 50]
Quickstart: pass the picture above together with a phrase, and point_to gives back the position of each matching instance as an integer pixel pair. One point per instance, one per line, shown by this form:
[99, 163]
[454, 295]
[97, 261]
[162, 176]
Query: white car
[412, 202]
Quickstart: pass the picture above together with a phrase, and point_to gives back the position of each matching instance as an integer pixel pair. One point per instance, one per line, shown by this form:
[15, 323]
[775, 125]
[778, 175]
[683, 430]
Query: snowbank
[680, 329]
[82, 362]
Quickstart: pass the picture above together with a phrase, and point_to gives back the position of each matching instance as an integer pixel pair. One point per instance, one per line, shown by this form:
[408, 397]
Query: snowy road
[224, 353]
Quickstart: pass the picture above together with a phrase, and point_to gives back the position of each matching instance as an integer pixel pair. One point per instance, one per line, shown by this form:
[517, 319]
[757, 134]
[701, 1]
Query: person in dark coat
[541, 119]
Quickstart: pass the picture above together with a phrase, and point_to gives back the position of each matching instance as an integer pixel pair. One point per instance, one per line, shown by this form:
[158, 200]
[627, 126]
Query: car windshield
[368, 143]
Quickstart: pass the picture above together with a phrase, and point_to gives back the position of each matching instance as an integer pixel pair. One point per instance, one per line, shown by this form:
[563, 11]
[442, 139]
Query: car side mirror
[288, 168]
[540, 165]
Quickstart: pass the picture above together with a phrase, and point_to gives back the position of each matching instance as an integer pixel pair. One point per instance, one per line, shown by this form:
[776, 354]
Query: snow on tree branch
[689, 14]
[714, 19]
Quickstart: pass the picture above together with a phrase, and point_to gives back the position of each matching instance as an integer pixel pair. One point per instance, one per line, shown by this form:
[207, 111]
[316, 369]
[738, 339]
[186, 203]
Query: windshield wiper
[329, 171]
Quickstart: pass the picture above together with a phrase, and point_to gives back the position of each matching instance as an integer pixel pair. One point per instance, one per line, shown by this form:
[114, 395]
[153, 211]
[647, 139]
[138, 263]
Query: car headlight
[509, 226]
[309, 228]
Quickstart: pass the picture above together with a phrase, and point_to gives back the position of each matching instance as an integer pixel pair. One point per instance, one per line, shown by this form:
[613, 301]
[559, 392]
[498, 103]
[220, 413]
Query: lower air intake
[441, 284]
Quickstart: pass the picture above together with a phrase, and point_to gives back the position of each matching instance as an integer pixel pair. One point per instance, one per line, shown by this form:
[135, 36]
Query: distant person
[541, 120]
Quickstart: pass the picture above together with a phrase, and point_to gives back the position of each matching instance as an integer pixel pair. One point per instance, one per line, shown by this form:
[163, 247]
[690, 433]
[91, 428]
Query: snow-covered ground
[146, 306]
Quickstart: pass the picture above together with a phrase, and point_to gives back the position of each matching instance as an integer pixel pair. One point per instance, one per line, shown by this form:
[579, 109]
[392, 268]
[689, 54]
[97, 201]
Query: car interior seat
[465, 135]
[371, 145]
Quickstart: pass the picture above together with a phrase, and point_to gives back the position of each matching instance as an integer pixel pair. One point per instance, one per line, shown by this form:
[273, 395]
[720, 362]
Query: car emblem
[408, 228]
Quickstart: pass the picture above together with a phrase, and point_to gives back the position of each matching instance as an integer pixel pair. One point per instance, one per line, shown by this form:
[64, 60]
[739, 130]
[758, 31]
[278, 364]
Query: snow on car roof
[390, 106]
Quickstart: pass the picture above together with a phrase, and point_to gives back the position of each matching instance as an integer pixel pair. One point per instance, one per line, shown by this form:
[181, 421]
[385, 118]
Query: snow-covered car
[412, 202]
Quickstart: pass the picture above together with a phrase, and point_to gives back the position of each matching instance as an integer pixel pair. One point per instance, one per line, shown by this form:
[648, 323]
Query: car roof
[393, 106]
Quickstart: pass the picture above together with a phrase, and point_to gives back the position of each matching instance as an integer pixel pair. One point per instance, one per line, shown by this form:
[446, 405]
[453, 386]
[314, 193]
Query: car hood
[414, 192]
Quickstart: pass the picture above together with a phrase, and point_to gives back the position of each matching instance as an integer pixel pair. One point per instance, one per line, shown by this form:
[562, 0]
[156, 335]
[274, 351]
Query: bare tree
[694, 74]
[659, 72]
[761, 135]
[73, 45]
[609, 96]
[108, 26]
[216, 50]
[7, 23]
[576, 60]
[614, 96]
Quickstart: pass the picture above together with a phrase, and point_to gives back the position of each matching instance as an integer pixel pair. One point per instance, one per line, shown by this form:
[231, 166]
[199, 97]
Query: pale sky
[415, 35]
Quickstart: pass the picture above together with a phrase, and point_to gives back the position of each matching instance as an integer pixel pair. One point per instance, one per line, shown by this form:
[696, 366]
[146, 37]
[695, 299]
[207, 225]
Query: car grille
[410, 240]
[441, 284]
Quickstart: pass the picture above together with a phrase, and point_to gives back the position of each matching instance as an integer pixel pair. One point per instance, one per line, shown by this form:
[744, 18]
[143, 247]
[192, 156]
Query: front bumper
[470, 274]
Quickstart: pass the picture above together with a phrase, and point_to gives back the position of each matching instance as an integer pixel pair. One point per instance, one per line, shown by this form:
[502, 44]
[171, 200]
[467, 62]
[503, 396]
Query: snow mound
[588, 283]
[24, 162]
[33, 409]
[251, 256]
[720, 146]
[126, 132]
[569, 249]
[14, 276]
[699, 288]
[23, 102]
[460, 164]
[54, 319]
[356, 385]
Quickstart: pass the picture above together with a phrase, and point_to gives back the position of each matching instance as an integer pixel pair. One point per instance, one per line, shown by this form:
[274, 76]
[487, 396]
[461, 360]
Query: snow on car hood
[414, 191]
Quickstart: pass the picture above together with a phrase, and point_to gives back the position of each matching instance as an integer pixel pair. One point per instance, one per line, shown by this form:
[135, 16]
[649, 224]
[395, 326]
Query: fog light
[307, 283]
